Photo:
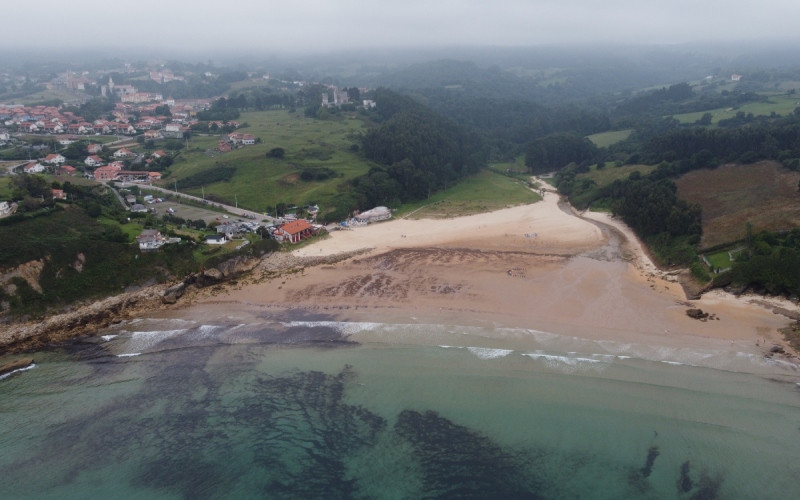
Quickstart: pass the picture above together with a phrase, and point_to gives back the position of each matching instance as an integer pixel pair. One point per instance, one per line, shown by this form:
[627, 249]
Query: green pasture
[610, 173]
[5, 188]
[605, 139]
[261, 182]
[484, 192]
[720, 260]
[781, 104]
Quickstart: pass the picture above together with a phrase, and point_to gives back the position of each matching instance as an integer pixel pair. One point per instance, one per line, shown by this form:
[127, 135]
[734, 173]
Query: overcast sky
[323, 25]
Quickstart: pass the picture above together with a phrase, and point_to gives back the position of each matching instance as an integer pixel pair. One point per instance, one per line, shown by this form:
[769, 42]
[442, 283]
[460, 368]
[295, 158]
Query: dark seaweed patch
[460, 463]
[652, 454]
[685, 481]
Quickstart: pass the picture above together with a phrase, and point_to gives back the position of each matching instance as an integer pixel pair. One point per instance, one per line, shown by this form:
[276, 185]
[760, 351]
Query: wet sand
[540, 267]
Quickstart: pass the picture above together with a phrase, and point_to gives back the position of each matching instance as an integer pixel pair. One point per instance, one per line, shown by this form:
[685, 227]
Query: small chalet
[248, 139]
[59, 194]
[123, 153]
[152, 134]
[93, 161]
[66, 170]
[54, 159]
[150, 239]
[158, 154]
[294, 231]
[216, 239]
[93, 149]
[224, 147]
[33, 168]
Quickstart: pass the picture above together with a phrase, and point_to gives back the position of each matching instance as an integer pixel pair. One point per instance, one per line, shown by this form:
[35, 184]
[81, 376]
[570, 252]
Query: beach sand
[541, 267]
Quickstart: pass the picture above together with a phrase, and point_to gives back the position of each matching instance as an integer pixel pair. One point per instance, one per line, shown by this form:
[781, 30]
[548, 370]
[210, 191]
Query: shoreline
[535, 266]
[582, 275]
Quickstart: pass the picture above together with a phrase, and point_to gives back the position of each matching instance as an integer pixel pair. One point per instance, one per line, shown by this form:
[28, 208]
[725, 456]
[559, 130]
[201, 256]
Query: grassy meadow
[780, 104]
[261, 182]
[484, 192]
[606, 139]
[610, 173]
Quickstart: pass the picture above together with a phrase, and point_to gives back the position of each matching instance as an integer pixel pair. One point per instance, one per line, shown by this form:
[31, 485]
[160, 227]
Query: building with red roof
[294, 231]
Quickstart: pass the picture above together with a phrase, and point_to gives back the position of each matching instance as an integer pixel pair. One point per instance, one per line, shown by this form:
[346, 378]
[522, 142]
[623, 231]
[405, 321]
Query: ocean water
[301, 407]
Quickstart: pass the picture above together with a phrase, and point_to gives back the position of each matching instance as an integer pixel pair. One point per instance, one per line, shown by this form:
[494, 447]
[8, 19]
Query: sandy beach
[540, 267]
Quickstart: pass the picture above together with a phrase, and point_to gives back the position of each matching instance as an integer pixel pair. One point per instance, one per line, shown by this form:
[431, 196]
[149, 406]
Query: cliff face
[86, 319]
[29, 271]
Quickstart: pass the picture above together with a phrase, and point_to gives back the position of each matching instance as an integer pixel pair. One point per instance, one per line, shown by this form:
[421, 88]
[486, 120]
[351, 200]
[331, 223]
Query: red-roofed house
[54, 159]
[294, 231]
[123, 153]
[158, 154]
[66, 170]
[93, 161]
[93, 149]
[33, 168]
[59, 194]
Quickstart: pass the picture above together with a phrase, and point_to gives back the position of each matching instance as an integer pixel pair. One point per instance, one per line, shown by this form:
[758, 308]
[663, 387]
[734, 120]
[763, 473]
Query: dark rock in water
[685, 482]
[697, 314]
[15, 365]
[652, 454]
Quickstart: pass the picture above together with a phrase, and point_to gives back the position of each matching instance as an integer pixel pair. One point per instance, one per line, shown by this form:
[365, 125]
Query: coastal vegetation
[693, 166]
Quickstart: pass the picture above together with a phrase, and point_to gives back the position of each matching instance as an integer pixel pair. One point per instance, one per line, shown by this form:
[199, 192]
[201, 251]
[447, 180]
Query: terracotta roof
[296, 226]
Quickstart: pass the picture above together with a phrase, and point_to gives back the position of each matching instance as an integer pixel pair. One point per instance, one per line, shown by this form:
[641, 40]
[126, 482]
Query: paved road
[241, 212]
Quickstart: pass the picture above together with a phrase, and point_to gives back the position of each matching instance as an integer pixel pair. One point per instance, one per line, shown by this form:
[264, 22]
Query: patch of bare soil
[764, 194]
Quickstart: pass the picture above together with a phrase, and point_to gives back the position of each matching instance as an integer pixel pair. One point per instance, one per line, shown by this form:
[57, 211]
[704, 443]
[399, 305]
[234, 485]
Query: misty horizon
[319, 27]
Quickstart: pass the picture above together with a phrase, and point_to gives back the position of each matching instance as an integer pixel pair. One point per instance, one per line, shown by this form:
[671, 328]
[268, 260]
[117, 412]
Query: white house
[93, 161]
[150, 239]
[54, 159]
[33, 168]
[216, 239]
[123, 153]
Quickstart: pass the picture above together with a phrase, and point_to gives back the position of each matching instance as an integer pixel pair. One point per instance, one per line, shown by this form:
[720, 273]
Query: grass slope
[606, 139]
[483, 192]
[781, 104]
[764, 194]
[262, 182]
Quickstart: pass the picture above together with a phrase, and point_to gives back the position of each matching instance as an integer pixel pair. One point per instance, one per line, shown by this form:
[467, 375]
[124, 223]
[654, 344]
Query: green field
[5, 189]
[484, 192]
[720, 260]
[780, 104]
[261, 182]
[610, 173]
[605, 139]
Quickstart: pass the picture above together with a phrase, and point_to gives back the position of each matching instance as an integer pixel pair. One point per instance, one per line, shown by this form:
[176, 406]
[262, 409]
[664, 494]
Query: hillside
[321, 147]
[764, 194]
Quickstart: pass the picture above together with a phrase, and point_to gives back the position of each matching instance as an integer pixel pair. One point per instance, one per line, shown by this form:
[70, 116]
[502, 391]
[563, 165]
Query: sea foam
[18, 370]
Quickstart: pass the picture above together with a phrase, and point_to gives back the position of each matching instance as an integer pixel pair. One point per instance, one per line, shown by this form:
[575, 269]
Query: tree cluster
[418, 152]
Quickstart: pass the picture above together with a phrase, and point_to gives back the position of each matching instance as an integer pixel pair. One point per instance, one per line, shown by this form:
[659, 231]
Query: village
[59, 142]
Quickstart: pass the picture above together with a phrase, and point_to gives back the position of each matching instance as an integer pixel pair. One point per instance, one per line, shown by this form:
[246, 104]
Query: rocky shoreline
[32, 335]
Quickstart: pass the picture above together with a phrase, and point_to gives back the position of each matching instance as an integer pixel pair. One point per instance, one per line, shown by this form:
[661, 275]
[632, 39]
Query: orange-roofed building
[295, 231]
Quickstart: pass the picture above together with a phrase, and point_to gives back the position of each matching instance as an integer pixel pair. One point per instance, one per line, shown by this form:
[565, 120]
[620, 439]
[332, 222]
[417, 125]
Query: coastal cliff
[32, 335]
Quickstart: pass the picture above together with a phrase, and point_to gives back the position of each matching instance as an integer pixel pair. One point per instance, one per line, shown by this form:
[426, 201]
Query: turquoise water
[166, 408]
